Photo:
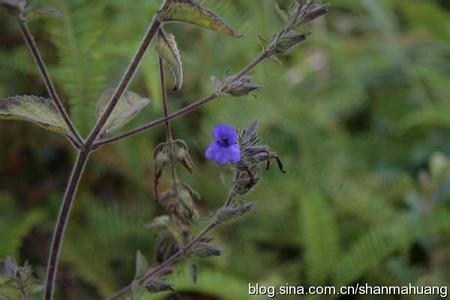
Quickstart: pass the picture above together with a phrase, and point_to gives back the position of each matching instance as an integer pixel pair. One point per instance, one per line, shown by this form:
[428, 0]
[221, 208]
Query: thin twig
[31, 44]
[124, 82]
[180, 253]
[154, 271]
[58, 234]
[168, 127]
[169, 135]
[83, 155]
[189, 108]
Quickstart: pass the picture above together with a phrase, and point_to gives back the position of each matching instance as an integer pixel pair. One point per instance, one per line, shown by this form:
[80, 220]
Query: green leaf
[38, 110]
[210, 282]
[129, 106]
[167, 48]
[15, 225]
[43, 12]
[141, 264]
[320, 237]
[189, 11]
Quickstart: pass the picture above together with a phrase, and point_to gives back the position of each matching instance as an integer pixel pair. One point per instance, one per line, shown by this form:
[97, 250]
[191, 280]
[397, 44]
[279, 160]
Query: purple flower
[225, 148]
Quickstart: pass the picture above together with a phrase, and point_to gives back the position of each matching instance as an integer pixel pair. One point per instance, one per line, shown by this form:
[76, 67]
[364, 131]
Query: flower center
[224, 141]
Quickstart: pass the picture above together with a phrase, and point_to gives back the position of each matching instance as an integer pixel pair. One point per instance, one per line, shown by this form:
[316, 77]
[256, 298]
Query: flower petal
[210, 151]
[221, 156]
[235, 153]
[225, 131]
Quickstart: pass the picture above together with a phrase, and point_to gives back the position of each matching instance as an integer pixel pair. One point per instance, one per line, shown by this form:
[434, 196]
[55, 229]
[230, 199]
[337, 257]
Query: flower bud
[287, 41]
[203, 250]
[245, 184]
[155, 285]
[185, 206]
[315, 12]
[241, 87]
[162, 159]
[304, 11]
[182, 155]
[159, 222]
[166, 246]
[227, 214]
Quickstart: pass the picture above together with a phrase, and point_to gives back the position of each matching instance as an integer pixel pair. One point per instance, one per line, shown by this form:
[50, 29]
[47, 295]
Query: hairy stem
[189, 108]
[31, 44]
[124, 82]
[155, 270]
[58, 233]
[167, 125]
[169, 135]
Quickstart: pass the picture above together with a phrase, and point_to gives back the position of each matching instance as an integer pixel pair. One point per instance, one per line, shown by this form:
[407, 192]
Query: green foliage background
[359, 115]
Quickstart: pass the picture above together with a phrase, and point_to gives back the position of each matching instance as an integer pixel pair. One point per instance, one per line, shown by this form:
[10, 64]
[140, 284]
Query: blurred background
[359, 115]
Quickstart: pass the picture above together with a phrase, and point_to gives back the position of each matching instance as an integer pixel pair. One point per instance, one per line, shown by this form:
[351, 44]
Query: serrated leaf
[189, 11]
[129, 106]
[38, 110]
[167, 48]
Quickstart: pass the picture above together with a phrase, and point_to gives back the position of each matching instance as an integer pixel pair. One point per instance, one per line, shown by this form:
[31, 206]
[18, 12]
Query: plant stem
[154, 271]
[189, 108]
[124, 82]
[61, 223]
[31, 44]
[168, 128]
[167, 125]
[181, 253]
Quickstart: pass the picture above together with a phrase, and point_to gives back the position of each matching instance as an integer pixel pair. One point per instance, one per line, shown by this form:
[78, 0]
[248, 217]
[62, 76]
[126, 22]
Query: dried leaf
[38, 110]
[129, 106]
[167, 48]
[189, 11]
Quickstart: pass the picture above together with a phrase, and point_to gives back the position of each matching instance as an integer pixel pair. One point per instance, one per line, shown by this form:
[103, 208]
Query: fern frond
[81, 70]
[217, 284]
[381, 242]
[15, 225]
[320, 237]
